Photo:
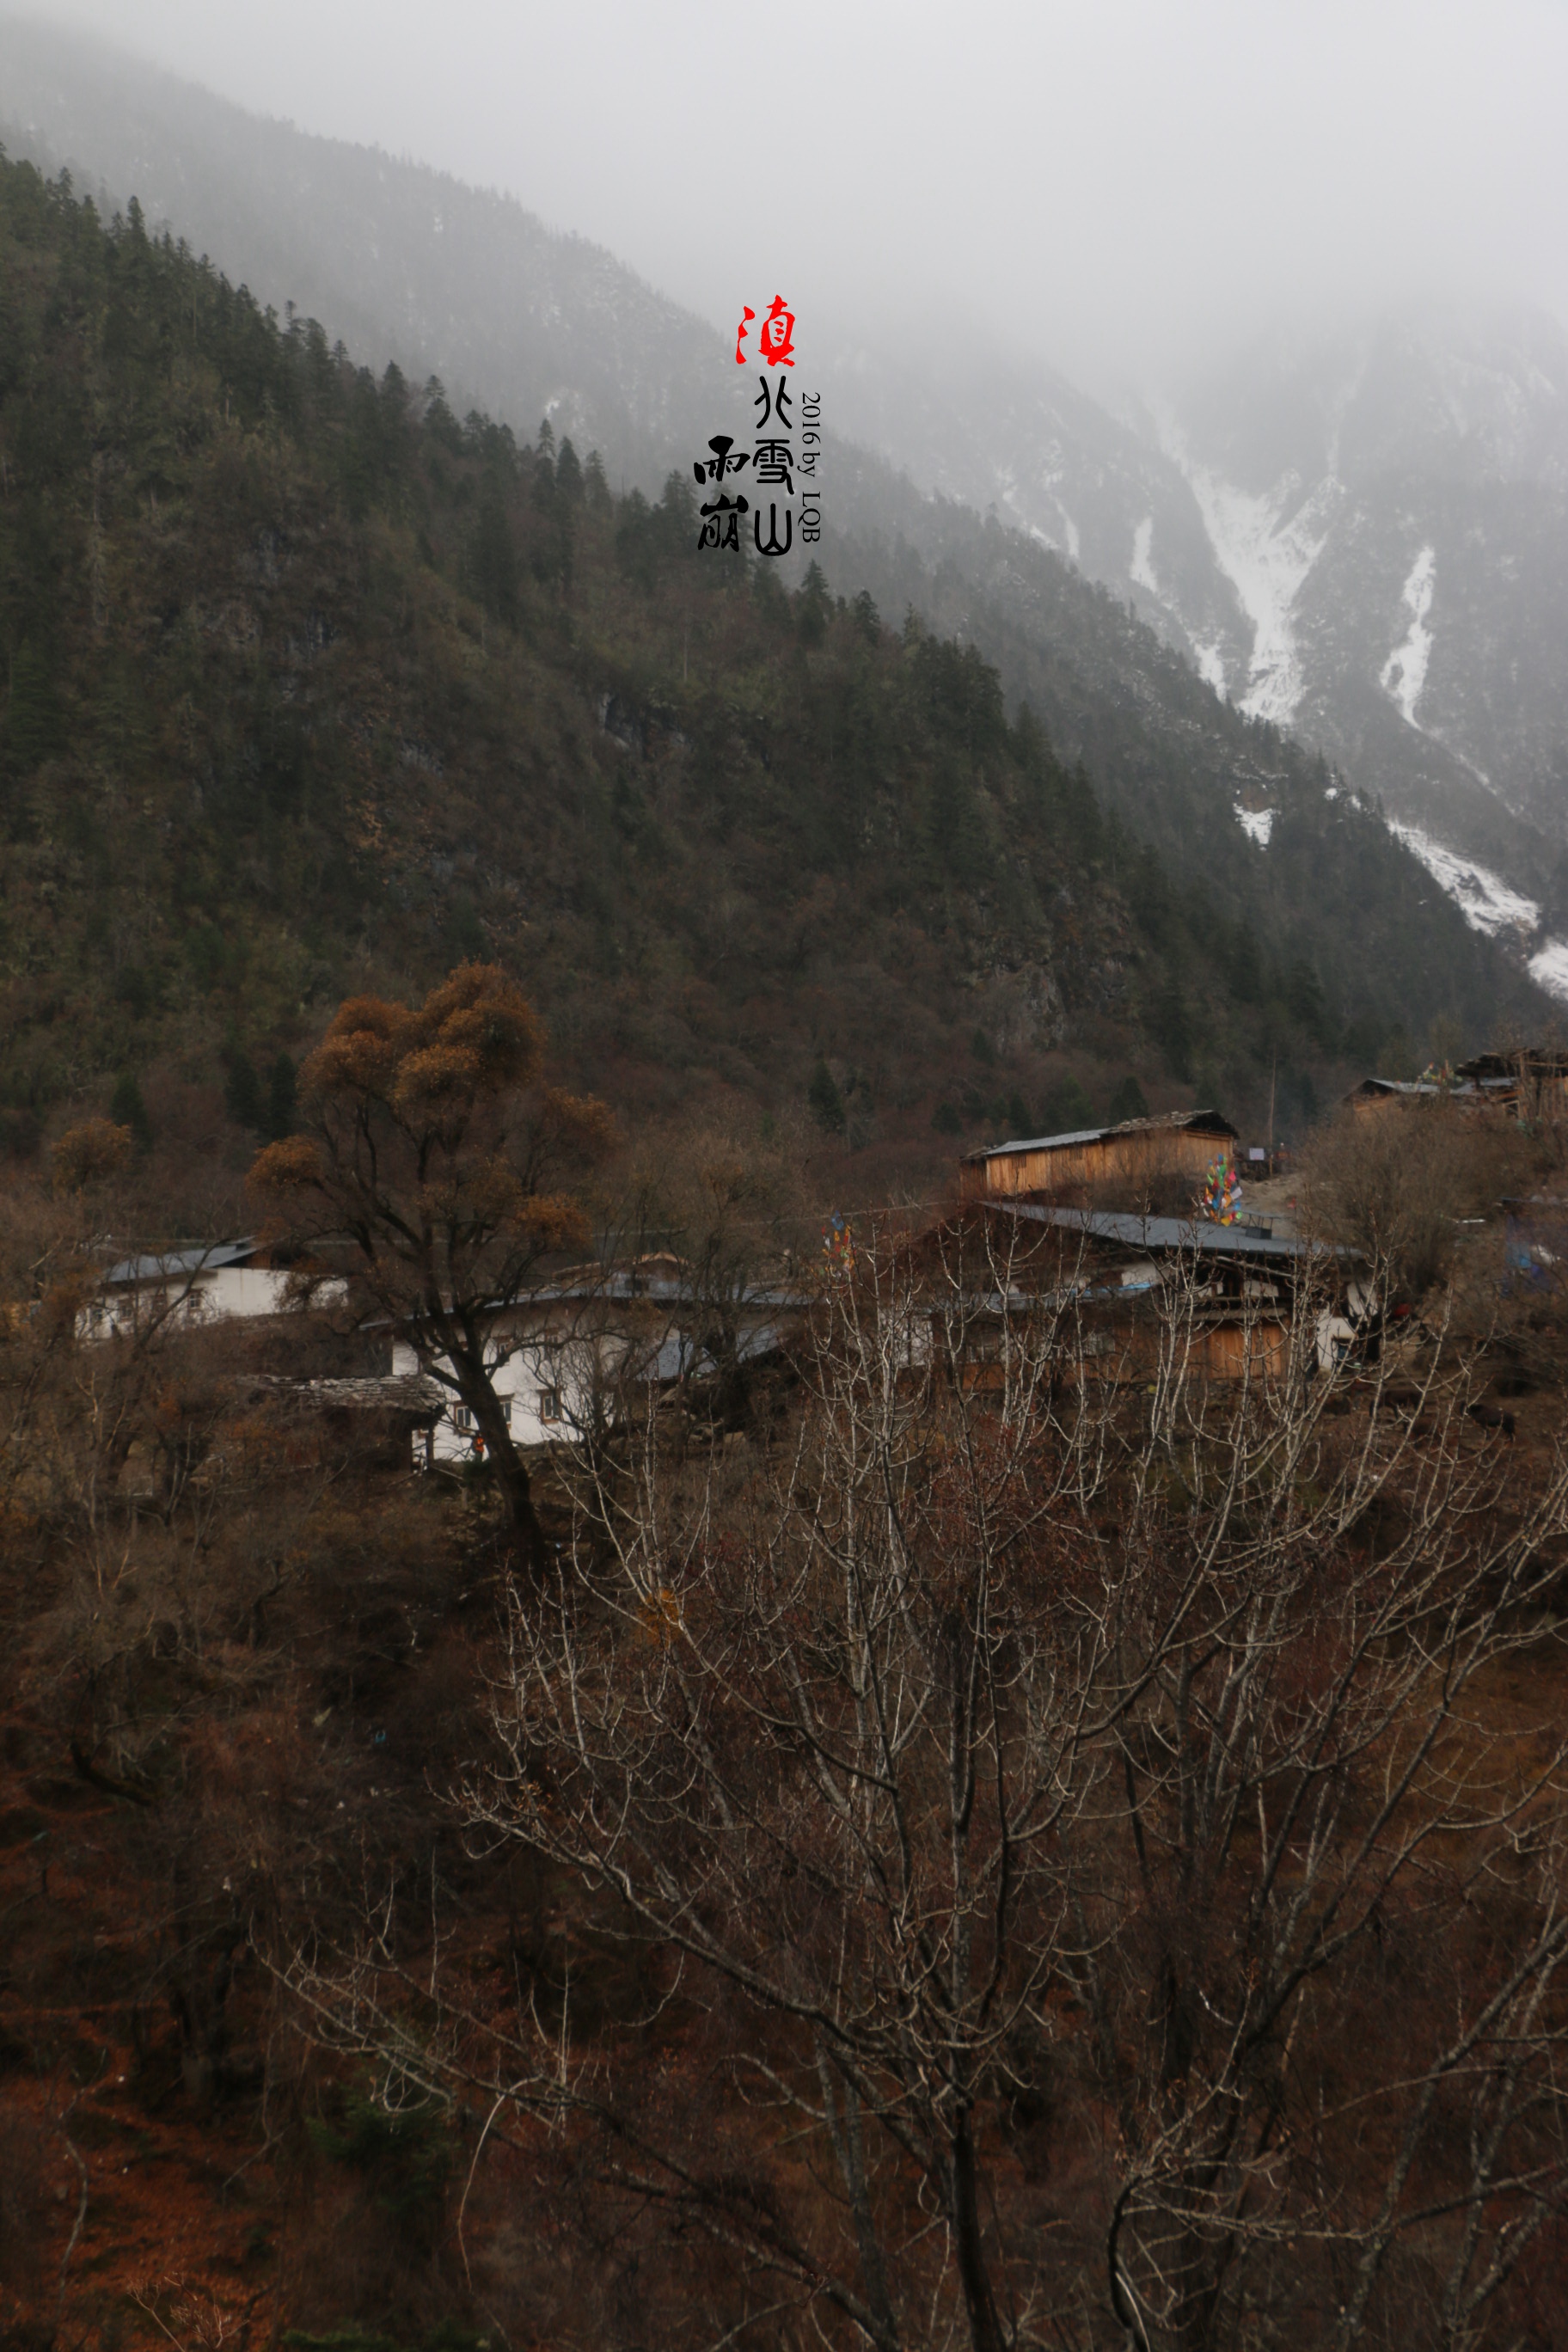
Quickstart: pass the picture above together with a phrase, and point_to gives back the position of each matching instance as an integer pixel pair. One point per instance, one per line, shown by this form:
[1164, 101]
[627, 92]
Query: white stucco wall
[563, 1367]
[215, 1295]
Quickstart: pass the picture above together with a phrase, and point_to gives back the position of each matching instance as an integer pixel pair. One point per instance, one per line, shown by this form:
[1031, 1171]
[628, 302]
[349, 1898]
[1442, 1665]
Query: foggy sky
[1101, 182]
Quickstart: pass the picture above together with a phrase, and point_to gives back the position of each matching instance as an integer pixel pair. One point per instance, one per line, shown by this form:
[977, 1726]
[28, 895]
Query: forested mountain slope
[309, 686]
[408, 264]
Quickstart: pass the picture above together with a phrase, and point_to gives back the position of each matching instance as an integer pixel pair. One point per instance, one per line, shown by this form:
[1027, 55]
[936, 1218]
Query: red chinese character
[741, 335]
[775, 339]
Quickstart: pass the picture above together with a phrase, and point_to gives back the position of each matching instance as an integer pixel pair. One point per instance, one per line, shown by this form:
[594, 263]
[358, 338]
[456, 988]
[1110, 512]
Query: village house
[1103, 1222]
[566, 1356]
[203, 1282]
[386, 1421]
[1235, 1289]
[562, 1357]
[1103, 1218]
[1530, 1085]
[1116, 1288]
[1146, 1162]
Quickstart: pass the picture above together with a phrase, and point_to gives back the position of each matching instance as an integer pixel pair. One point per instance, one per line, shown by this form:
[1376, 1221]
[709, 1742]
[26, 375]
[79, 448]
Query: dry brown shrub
[1399, 1183]
[91, 1154]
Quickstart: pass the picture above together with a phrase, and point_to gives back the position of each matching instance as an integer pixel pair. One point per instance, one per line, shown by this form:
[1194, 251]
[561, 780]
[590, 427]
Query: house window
[463, 1419]
[549, 1404]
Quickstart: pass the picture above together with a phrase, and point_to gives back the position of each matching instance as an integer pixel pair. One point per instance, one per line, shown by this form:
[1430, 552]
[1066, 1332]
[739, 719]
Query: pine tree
[282, 1098]
[1068, 1107]
[1304, 1000]
[811, 607]
[32, 719]
[1171, 1026]
[826, 1100]
[127, 1108]
[492, 560]
[569, 474]
[596, 489]
[242, 1092]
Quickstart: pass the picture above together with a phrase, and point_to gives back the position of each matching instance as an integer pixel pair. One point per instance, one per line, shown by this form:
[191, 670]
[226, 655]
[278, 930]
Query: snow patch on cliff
[1487, 902]
[1211, 665]
[1266, 544]
[1140, 571]
[1549, 968]
[1403, 674]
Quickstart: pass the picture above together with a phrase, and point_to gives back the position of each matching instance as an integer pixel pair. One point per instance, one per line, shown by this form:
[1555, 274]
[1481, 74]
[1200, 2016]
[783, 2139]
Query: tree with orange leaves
[431, 1144]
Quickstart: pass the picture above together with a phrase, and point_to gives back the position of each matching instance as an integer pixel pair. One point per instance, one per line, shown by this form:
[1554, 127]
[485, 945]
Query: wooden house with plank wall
[1107, 1293]
[1138, 1159]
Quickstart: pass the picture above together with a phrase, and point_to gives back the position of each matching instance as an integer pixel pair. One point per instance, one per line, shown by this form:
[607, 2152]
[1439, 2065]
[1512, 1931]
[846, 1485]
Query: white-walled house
[567, 1353]
[560, 1357]
[209, 1282]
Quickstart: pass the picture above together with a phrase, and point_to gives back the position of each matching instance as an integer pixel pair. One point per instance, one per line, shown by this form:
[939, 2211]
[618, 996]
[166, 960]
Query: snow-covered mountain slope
[1489, 905]
[1023, 443]
[1362, 536]
[1392, 506]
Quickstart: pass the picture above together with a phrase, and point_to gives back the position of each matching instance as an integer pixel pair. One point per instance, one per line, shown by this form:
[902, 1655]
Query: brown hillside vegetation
[979, 1856]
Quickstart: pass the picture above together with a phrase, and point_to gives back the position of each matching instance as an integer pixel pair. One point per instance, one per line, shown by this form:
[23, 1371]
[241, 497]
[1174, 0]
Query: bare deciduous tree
[1121, 1899]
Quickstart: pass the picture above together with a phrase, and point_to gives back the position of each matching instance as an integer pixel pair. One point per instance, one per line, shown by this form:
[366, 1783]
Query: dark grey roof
[1506, 1069]
[201, 1257]
[1460, 1089]
[408, 1392]
[1169, 1122]
[617, 1289]
[621, 1287]
[1170, 1233]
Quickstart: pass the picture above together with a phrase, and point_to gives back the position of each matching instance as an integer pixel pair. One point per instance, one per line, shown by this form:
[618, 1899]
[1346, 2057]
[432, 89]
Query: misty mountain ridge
[408, 264]
[311, 688]
[1362, 536]
[1359, 534]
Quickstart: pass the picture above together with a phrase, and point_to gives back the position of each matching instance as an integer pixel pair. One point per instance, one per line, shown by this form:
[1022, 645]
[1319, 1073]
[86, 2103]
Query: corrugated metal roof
[201, 1257]
[1169, 1122]
[1170, 1233]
